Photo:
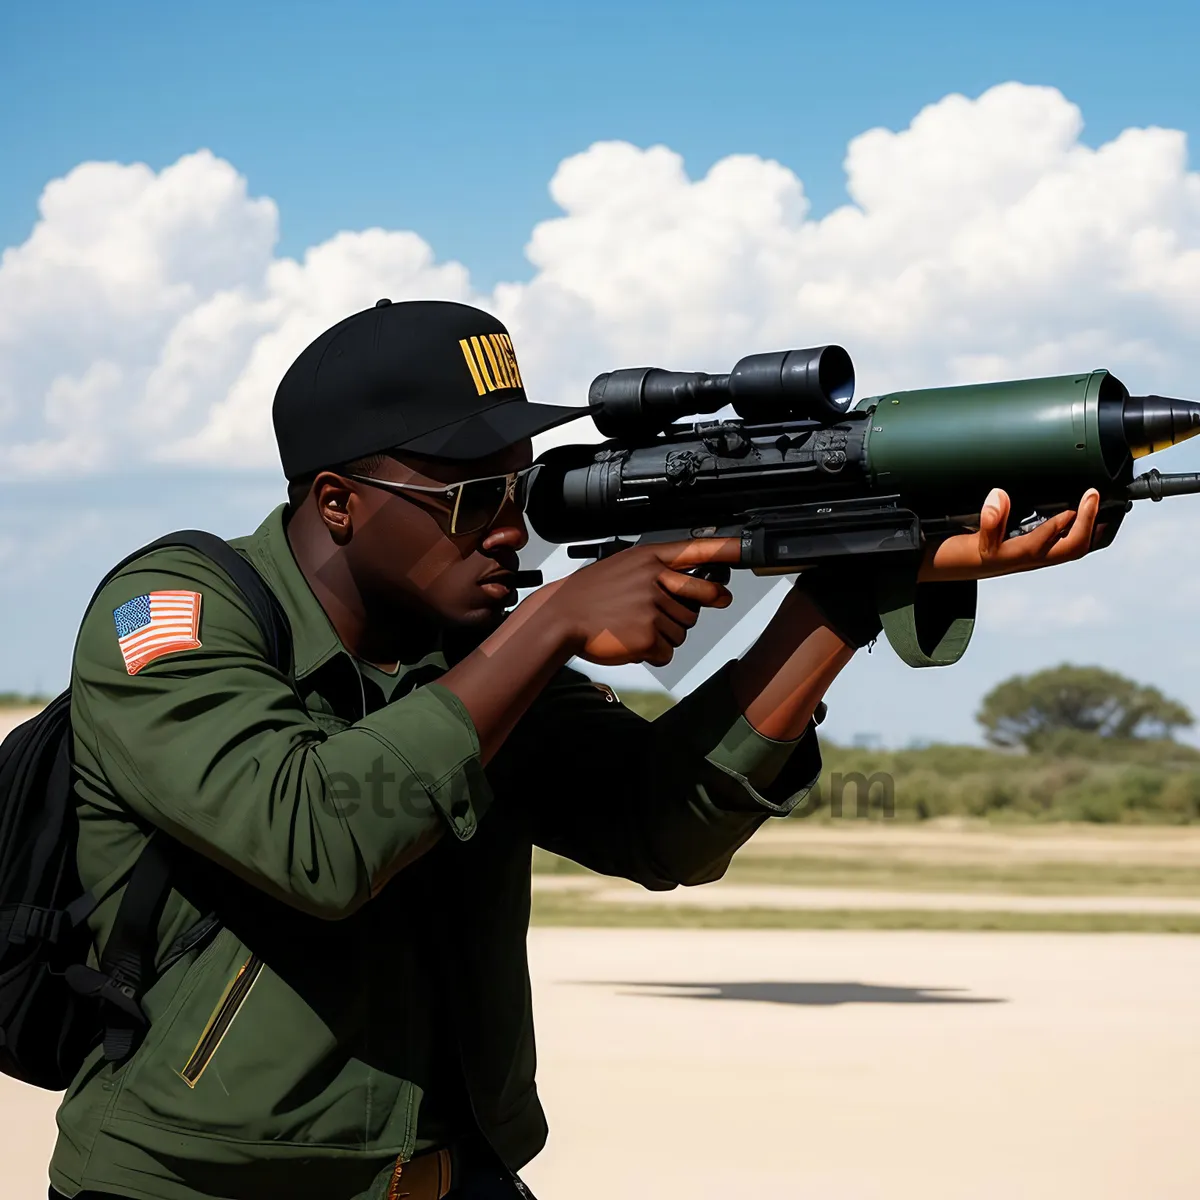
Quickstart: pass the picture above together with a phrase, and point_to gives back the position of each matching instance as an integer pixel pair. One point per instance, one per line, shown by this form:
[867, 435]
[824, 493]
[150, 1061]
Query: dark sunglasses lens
[525, 485]
[479, 502]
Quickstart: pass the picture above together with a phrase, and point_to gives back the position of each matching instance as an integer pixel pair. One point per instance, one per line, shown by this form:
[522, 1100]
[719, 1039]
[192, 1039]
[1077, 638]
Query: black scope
[640, 402]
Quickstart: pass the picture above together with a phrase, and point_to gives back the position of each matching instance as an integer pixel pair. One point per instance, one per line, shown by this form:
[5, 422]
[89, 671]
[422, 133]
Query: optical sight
[638, 403]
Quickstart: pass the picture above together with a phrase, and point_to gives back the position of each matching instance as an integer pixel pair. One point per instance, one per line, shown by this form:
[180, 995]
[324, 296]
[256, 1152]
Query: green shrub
[1072, 776]
[1151, 785]
[22, 700]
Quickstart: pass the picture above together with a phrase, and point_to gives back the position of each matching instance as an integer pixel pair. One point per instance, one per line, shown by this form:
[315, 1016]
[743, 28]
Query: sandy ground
[857, 1066]
[952, 840]
[10, 718]
[842, 1066]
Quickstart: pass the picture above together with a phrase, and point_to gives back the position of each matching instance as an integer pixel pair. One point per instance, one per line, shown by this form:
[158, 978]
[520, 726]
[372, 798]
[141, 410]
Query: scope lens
[835, 376]
[793, 383]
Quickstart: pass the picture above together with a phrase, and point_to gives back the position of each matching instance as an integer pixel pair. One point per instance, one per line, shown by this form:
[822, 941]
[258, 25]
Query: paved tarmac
[842, 1066]
[867, 1066]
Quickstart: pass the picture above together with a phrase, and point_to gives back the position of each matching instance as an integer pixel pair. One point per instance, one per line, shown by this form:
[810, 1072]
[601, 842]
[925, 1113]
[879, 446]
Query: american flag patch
[160, 623]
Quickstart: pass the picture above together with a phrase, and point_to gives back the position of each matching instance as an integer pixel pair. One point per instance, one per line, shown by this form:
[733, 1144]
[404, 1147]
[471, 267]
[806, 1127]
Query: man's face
[399, 547]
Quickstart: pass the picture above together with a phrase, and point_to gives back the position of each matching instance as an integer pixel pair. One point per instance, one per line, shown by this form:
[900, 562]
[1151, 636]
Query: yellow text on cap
[492, 362]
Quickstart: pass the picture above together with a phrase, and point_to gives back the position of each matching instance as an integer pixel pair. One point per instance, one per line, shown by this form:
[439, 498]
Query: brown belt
[426, 1177]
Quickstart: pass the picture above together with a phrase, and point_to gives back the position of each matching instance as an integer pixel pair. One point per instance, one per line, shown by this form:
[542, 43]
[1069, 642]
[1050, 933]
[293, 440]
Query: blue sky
[451, 120]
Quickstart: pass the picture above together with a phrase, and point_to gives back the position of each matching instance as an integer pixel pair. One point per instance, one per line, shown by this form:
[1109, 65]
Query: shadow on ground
[817, 994]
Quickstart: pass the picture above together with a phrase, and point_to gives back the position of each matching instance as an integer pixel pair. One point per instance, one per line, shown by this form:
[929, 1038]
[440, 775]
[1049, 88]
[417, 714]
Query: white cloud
[148, 318]
[277, 319]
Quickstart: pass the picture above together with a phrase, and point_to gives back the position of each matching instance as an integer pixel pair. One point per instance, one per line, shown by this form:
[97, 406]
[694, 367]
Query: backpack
[54, 1008]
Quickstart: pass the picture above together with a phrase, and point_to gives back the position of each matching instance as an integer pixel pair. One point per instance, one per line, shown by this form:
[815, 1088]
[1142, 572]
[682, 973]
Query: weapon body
[802, 478]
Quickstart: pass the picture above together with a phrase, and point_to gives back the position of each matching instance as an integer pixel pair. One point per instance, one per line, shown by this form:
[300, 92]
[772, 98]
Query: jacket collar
[314, 640]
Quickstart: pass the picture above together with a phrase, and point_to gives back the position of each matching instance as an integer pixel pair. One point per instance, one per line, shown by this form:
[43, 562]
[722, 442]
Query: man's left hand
[981, 555]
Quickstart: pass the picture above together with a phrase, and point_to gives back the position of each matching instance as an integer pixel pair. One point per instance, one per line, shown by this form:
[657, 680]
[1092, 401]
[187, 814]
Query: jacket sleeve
[214, 746]
[661, 802]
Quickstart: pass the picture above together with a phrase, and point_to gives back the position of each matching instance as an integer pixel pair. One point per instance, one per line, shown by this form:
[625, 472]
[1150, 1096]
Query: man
[360, 1024]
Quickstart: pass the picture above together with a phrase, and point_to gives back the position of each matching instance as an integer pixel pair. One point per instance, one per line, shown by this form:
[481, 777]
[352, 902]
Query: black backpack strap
[21, 923]
[128, 959]
[271, 619]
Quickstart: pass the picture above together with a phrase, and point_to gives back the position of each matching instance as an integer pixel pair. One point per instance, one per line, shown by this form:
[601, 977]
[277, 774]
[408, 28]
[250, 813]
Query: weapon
[802, 478]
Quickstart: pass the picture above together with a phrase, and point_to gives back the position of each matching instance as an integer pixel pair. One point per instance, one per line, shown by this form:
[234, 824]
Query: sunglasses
[474, 503]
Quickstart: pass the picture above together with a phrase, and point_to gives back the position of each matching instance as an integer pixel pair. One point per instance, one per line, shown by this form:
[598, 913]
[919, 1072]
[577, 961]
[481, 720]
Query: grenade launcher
[803, 478]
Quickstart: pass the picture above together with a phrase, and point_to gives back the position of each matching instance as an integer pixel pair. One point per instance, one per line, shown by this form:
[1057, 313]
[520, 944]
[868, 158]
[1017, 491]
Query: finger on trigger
[700, 550]
[704, 592]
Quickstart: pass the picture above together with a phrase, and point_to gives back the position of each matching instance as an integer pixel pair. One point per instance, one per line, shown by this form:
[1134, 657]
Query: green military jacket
[367, 993]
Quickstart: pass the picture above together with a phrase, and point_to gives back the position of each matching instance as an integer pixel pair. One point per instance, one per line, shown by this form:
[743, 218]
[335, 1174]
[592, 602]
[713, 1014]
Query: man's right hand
[635, 606]
[638, 604]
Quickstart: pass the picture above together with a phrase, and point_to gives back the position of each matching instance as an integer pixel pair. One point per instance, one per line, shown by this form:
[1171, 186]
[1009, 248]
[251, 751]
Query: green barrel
[1043, 440]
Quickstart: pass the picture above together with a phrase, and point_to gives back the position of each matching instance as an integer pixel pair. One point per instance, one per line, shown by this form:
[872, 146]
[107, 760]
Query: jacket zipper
[222, 1018]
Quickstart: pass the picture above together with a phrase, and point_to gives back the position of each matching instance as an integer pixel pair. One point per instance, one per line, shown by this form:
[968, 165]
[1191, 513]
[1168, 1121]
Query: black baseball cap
[432, 377]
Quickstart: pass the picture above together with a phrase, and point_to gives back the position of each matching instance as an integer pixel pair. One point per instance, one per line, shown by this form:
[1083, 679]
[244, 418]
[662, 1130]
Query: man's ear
[332, 496]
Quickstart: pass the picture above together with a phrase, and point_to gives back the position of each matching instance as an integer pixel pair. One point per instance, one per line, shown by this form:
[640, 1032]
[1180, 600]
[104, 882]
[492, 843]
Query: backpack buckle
[30, 923]
[109, 989]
